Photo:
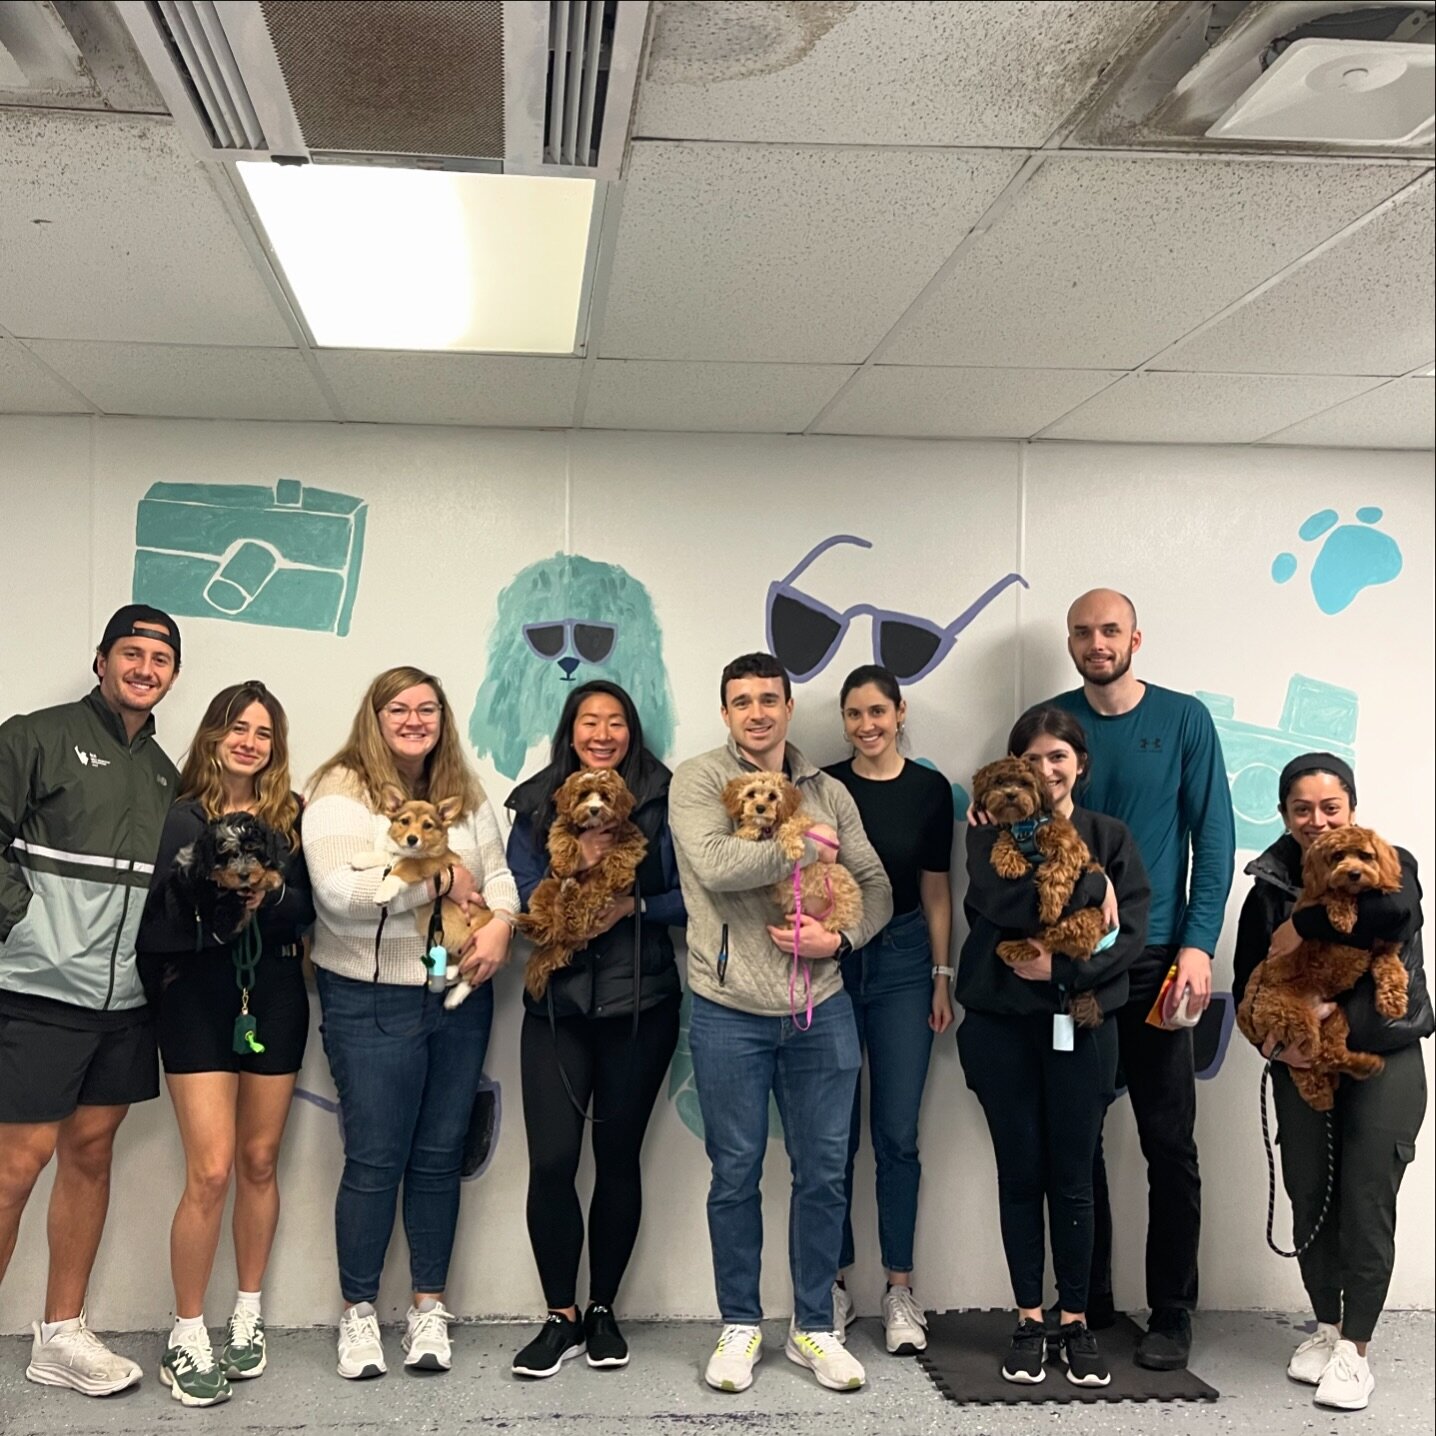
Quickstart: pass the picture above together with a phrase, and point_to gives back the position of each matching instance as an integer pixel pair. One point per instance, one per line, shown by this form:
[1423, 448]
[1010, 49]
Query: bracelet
[941, 970]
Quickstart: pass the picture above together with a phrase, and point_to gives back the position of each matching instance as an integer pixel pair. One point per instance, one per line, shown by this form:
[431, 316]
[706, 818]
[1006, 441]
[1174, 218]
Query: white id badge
[1063, 1032]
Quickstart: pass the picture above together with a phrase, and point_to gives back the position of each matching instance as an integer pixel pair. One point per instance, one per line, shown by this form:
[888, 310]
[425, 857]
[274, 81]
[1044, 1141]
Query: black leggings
[620, 1075]
[1044, 1110]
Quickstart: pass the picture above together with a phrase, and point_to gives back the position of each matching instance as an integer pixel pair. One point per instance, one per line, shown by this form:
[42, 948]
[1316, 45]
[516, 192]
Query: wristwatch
[845, 946]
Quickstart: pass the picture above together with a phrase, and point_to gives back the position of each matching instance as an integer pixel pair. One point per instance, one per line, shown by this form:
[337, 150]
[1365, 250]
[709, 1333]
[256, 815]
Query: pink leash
[797, 925]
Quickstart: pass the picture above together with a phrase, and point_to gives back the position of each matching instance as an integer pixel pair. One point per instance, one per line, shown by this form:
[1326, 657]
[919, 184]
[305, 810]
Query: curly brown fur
[566, 907]
[1281, 995]
[1011, 791]
[768, 807]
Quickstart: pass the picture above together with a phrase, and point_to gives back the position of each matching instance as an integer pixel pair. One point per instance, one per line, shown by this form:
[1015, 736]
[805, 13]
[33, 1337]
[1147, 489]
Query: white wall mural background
[1291, 588]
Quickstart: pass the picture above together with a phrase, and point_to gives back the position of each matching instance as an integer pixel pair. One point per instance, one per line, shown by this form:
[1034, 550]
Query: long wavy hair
[367, 756]
[202, 778]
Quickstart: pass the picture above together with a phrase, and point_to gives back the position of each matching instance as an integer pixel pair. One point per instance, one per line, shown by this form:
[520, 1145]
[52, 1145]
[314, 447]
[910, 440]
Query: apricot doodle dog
[419, 850]
[1339, 867]
[767, 807]
[566, 906]
[1011, 792]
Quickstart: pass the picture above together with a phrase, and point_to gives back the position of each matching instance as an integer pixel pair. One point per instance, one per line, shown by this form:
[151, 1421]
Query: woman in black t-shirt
[900, 992]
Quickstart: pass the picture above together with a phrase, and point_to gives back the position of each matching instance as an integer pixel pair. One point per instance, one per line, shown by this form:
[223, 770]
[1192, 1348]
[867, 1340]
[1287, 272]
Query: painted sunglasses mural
[804, 633]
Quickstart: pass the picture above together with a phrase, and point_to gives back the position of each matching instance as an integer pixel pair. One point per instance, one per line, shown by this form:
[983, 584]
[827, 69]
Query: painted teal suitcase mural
[1317, 716]
[283, 557]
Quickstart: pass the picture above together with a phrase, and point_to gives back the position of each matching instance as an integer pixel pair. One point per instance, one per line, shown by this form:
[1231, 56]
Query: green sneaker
[190, 1371]
[244, 1353]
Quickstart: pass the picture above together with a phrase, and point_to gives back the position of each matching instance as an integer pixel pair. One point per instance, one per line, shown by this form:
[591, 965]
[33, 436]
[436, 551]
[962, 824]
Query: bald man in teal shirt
[1156, 764]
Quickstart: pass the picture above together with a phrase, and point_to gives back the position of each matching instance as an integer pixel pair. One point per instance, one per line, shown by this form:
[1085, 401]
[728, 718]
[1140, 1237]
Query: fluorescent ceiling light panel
[382, 258]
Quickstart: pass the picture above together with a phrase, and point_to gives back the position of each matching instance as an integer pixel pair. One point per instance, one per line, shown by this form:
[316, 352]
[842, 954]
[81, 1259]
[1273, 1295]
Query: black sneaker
[559, 1340]
[606, 1346]
[1167, 1342]
[1026, 1354]
[1085, 1366]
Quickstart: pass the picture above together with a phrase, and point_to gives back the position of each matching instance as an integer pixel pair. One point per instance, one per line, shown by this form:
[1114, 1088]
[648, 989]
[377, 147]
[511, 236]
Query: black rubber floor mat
[964, 1359]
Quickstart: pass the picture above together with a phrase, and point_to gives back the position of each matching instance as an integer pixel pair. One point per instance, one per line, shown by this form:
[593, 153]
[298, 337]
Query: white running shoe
[739, 1350]
[1347, 1383]
[904, 1325]
[77, 1358]
[1309, 1361]
[426, 1341]
[824, 1354]
[844, 1312]
[361, 1352]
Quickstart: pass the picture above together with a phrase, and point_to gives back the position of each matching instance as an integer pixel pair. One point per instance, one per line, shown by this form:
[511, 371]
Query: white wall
[705, 523]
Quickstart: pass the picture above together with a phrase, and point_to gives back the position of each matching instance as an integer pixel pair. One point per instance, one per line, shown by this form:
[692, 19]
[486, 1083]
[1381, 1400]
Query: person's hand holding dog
[594, 845]
[1298, 1056]
[814, 940]
[614, 914]
[1039, 969]
[485, 952]
[463, 888]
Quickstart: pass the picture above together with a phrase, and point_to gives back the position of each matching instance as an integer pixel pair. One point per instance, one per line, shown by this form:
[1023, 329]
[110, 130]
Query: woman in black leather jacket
[602, 1035]
[1347, 1268]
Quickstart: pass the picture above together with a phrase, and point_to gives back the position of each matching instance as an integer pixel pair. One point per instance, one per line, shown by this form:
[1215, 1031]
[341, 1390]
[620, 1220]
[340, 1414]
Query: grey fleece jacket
[727, 882]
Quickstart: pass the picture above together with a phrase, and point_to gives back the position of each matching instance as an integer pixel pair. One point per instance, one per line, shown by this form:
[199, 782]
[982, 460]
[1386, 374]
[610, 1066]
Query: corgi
[419, 850]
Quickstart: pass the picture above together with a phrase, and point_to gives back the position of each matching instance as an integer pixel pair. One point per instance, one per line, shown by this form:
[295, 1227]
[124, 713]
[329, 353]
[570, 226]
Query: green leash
[245, 952]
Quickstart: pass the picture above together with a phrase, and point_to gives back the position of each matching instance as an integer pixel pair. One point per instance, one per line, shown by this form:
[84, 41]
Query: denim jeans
[738, 1058]
[890, 983]
[406, 1071]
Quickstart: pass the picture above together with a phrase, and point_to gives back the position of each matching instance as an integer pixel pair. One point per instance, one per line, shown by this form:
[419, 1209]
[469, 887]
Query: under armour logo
[1153, 745]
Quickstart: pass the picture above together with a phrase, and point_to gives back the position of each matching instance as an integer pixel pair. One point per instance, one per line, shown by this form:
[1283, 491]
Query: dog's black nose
[568, 664]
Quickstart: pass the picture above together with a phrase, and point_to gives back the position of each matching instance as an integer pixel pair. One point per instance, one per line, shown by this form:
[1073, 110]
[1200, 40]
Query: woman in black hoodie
[602, 1034]
[1347, 1268]
[1043, 1083]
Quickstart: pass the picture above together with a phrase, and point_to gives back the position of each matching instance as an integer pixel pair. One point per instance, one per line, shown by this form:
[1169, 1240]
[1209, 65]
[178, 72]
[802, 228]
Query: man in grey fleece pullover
[751, 1033]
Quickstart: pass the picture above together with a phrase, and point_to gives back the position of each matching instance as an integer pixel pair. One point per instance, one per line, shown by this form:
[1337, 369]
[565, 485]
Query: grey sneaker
[192, 1374]
[244, 1354]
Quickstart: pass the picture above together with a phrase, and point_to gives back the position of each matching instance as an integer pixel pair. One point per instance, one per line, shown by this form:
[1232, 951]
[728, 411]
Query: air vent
[512, 86]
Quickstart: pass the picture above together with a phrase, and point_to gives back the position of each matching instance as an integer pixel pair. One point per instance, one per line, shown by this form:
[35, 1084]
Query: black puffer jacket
[1278, 885]
[600, 980]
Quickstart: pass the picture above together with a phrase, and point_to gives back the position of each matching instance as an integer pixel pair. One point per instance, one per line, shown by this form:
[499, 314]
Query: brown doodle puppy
[1012, 794]
[1338, 868]
[565, 908]
[767, 807]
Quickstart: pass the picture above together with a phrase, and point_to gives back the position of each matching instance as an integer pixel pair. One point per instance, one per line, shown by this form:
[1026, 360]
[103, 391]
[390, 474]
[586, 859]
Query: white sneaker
[77, 1358]
[739, 1350]
[361, 1352]
[426, 1342]
[844, 1312]
[1347, 1382]
[1309, 1361]
[904, 1325]
[824, 1354]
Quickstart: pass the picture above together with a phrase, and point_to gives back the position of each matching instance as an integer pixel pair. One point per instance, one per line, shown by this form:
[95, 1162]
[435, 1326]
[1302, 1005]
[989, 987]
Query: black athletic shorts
[195, 1000]
[46, 1071]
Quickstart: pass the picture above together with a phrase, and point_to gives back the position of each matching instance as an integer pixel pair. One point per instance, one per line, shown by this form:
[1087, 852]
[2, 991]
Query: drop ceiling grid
[1401, 414]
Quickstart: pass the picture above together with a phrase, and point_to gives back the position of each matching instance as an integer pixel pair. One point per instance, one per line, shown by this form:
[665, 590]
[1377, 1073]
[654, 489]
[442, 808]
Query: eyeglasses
[804, 634]
[593, 642]
[426, 713]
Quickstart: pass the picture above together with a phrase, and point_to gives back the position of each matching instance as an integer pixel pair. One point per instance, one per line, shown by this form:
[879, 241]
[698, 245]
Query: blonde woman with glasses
[406, 1068]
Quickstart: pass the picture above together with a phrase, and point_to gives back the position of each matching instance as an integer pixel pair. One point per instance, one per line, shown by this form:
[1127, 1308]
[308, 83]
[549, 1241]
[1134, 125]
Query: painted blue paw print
[1354, 557]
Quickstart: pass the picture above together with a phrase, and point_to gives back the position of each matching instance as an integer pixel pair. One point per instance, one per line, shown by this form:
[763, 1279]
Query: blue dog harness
[1024, 834]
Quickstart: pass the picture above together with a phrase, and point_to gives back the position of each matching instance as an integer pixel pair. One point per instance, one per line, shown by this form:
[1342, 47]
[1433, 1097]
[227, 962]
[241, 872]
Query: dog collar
[1024, 834]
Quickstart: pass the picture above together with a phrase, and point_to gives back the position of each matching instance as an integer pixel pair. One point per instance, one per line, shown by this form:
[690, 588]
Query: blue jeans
[890, 983]
[406, 1071]
[738, 1058]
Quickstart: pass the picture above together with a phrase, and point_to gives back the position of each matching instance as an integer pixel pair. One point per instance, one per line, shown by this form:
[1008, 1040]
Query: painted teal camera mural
[1316, 716]
[285, 556]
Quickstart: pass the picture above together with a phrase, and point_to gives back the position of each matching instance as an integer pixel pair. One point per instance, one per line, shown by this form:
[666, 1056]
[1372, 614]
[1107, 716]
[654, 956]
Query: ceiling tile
[26, 388]
[738, 398]
[960, 403]
[886, 73]
[1102, 263]
[1162, 408]
[482, 389]
[1365, 306]
[110, 229]
[1395, 416]
[188, 382]
[783, 254]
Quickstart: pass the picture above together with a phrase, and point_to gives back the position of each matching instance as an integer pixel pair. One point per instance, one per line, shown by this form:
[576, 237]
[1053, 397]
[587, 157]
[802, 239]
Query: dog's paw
[1391, 1004]
[1008, 863]
[456, 994]
[361, 862]
[1016, 953]
[389, 888]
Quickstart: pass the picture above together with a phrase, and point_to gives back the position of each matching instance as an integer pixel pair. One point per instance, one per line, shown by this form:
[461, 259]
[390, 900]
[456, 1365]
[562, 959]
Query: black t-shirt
[908, 820]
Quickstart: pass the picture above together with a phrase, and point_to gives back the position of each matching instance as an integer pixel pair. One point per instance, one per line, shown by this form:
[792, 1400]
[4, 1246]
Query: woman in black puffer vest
[600, 1037]
[1347, 1268]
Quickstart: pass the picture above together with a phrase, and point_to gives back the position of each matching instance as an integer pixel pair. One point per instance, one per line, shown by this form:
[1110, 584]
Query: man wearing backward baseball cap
[84, 788]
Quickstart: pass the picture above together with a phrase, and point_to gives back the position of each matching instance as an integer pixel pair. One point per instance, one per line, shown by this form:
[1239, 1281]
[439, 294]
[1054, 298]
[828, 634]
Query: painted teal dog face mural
[561, 621]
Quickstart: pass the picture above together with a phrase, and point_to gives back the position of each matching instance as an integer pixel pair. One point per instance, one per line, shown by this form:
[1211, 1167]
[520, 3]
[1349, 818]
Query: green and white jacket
[81, 812]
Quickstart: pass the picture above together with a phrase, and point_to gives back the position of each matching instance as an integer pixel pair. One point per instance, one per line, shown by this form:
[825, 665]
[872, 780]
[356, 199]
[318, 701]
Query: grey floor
[1242, 1354]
